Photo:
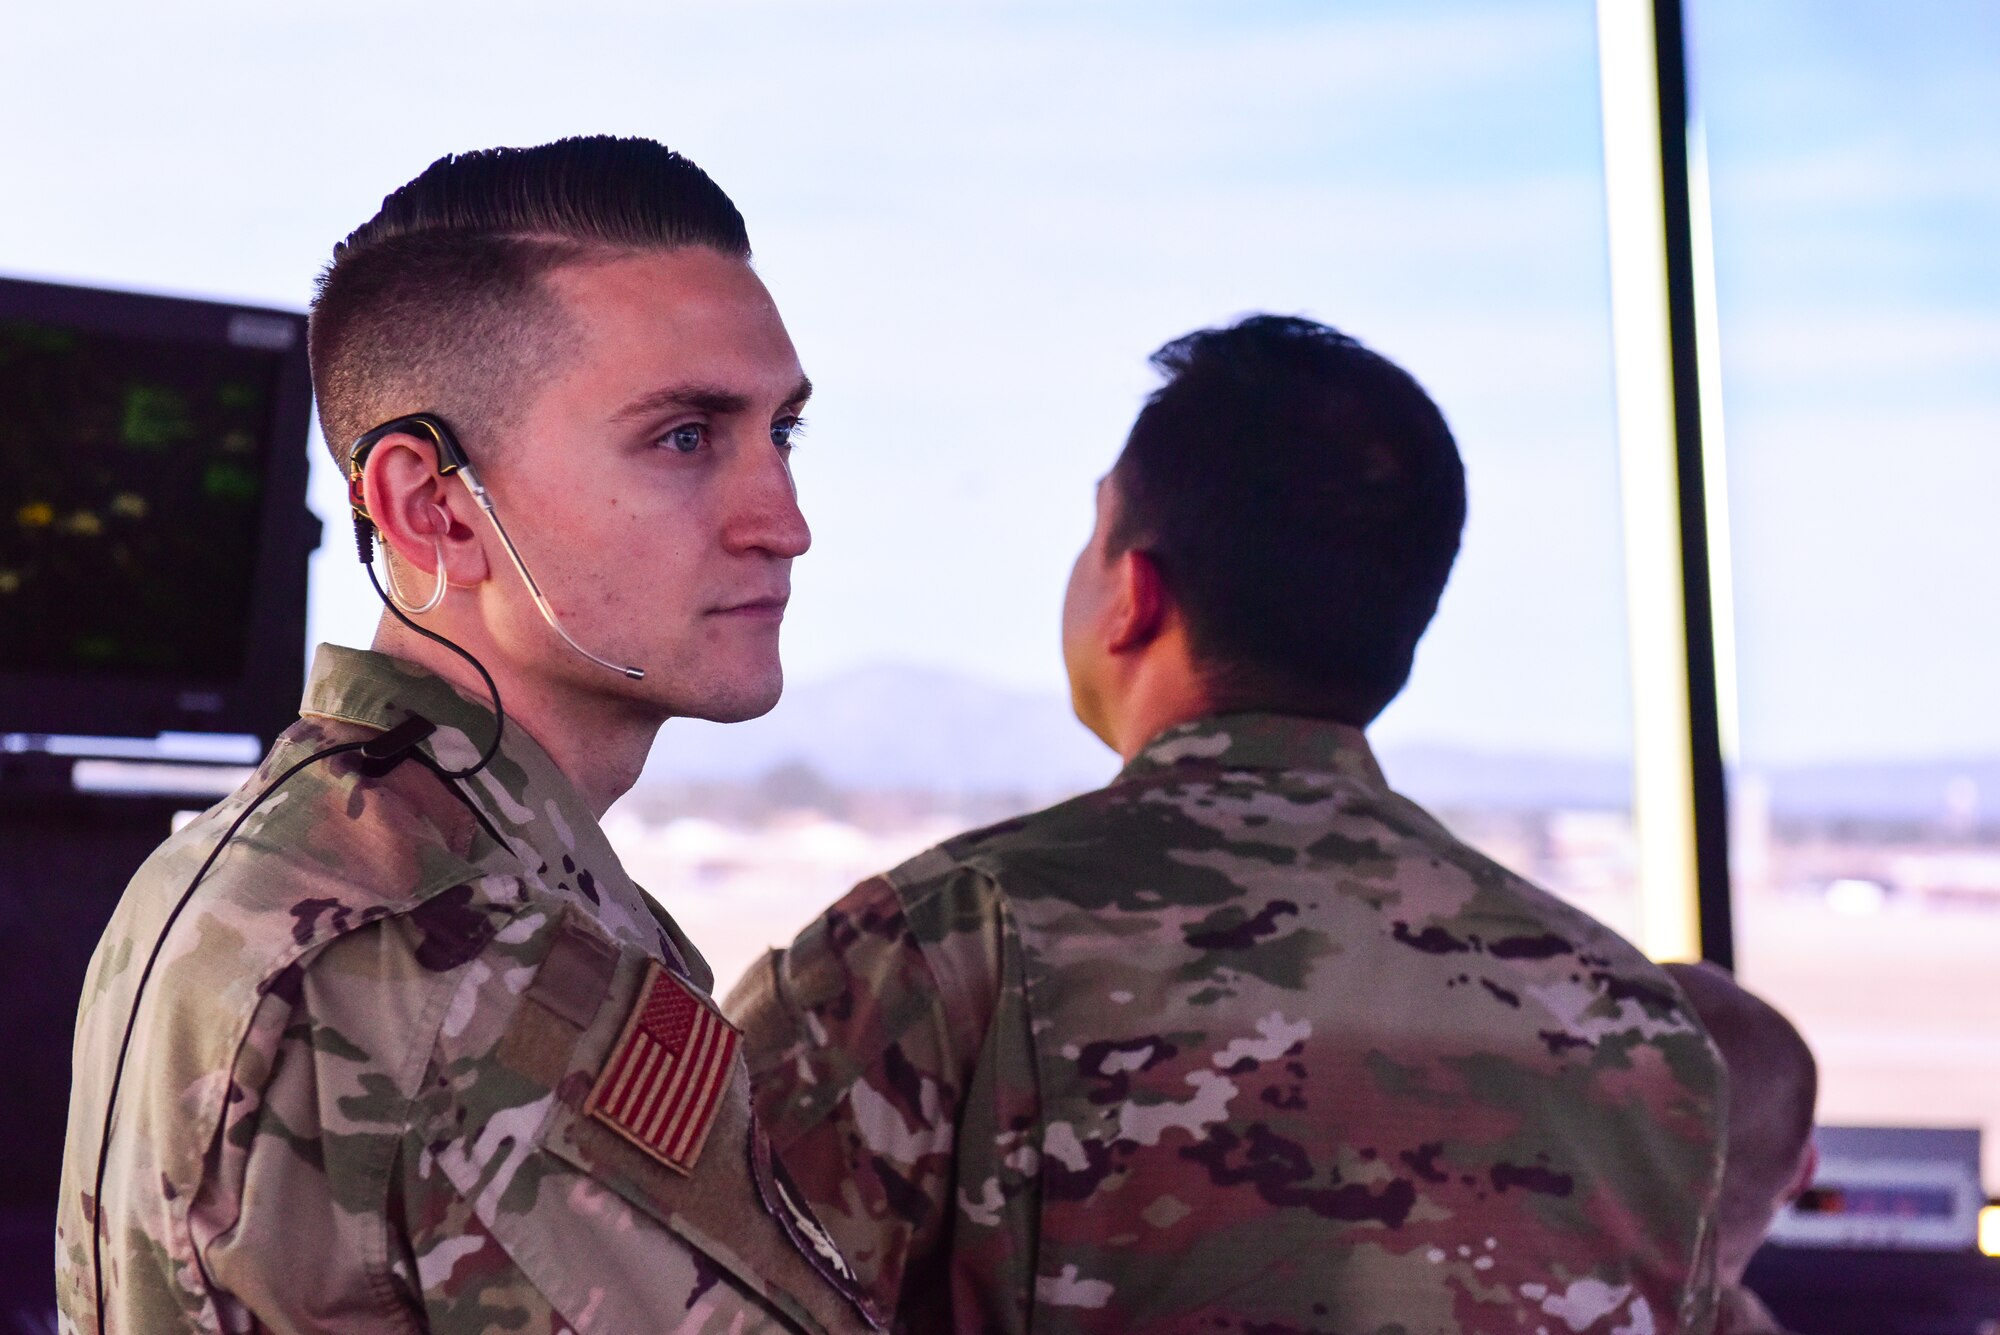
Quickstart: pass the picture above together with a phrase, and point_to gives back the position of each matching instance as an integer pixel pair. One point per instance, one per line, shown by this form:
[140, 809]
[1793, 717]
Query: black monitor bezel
[263, 698]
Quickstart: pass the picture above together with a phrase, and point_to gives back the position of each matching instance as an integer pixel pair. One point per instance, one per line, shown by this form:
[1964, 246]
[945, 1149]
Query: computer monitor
[153, 527]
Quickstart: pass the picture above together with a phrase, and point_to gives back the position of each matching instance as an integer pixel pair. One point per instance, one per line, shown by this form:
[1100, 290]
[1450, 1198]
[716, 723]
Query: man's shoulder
[343, 900]
[1198, 823]
[329, 852]
[995, 857]
[919, 947]
[329, 845]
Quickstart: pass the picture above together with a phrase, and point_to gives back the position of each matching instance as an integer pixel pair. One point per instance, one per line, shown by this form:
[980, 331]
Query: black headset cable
[499, 714]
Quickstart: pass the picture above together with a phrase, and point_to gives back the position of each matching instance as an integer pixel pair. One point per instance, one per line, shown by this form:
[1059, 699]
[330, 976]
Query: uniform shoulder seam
[978, 850]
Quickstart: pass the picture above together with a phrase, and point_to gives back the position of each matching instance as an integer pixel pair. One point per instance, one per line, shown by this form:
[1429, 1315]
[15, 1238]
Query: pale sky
[1856, 152]
[978, 219]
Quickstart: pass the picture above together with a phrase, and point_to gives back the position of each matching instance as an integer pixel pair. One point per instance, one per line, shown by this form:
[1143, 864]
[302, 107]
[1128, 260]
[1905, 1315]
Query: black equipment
[154, 539]
[152, 484]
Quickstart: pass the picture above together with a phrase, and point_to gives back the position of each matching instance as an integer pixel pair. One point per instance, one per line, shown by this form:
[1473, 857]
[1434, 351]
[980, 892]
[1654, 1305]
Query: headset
[379, 754]
[451, 459]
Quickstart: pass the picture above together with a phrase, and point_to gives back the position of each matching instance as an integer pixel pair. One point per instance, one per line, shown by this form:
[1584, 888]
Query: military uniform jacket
[375, 1080]
[1242, 1042]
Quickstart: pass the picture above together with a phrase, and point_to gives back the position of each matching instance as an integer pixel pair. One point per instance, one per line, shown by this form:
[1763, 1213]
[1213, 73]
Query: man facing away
[1773, 1085]
[417, 1054]
[1244, 1041]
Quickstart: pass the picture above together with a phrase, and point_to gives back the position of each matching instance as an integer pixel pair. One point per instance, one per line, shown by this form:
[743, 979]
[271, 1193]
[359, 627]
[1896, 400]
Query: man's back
[1242, 1041]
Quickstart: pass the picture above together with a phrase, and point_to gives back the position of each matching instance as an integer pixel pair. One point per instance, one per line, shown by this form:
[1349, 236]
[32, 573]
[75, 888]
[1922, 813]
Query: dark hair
[436, 304]
[1303, 499]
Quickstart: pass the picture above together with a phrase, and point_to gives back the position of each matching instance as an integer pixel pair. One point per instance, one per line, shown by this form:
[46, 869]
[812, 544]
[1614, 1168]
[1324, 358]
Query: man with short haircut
[1244, 1041]
[388, 1040]
[1773, 1087]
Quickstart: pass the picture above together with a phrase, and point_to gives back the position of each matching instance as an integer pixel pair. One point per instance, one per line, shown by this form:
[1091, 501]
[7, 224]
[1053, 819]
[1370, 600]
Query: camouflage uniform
[1242, 1042]
[359, 1092]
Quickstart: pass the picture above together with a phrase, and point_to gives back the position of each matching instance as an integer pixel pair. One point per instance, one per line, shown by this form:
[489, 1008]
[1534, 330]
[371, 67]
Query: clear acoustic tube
[478, 491]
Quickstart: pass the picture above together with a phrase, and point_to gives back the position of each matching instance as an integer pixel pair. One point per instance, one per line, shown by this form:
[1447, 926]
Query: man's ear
[1140, 604]
[419, 513]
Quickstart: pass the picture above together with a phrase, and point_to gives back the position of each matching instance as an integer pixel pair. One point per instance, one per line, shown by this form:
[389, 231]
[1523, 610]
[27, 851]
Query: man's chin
[734, 703]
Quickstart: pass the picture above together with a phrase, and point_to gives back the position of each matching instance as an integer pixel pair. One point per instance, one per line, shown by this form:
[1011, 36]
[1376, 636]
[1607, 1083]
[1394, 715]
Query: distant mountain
[905, 727]
[1963, 791]
[897, 726]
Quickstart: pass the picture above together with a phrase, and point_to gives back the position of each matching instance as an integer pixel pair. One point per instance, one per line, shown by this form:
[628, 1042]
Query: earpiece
[451, 459]
[430, 604]
[450, 455]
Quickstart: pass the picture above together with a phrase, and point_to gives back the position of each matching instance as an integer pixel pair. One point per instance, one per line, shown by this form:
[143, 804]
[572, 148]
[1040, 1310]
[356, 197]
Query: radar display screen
[132, 472]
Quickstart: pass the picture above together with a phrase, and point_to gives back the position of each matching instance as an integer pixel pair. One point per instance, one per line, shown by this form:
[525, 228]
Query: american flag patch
[663, 1084]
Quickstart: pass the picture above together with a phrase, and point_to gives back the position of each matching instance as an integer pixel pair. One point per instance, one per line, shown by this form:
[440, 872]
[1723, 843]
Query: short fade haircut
[437, 303]
[1773, 1087]
[1303, 499]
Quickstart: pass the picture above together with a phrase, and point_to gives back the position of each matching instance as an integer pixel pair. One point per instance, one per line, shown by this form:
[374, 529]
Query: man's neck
[600, 745]
[1162, 693]
[1164, 689]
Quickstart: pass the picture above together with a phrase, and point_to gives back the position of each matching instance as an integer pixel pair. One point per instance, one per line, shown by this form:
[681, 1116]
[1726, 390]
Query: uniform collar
[377, 690]
[523, 791]
[1251, 741]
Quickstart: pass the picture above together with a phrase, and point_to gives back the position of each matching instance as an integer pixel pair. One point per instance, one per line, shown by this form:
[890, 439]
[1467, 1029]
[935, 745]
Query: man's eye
[785, 431]
[684, 439]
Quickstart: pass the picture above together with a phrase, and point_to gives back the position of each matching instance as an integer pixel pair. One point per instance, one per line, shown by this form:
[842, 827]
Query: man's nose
[766, 514]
